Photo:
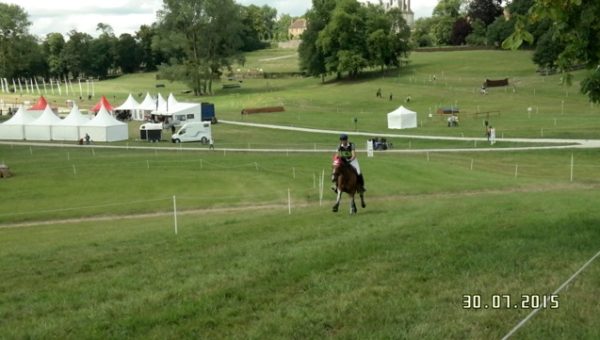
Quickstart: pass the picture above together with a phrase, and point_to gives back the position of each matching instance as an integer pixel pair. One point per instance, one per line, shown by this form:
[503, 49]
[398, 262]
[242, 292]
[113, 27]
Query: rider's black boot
[361, 182]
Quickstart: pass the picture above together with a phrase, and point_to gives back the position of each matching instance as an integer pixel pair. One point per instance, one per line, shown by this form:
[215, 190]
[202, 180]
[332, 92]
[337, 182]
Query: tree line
[79, 54]
[196, 41]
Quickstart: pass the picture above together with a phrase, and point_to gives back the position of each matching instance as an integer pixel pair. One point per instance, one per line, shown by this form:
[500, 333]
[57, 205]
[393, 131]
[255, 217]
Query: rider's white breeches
[354, 164]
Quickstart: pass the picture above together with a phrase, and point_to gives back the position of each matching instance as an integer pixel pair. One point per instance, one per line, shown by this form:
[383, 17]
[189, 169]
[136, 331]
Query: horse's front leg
[337, 202]
[353, 209]
[362, 200]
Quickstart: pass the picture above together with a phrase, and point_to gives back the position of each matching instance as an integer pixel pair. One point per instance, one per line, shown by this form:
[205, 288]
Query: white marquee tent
[132, 105]
[171, 107]
[402, 118]
[14, 128]
[68, 128]
[41, 128]
[148, 104]
[105, 128]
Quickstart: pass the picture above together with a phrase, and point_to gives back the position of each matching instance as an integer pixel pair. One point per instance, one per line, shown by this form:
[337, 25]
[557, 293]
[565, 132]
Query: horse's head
[337, 161]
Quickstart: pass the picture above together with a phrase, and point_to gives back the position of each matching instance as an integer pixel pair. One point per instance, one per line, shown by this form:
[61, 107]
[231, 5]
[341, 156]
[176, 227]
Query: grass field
[88, 248]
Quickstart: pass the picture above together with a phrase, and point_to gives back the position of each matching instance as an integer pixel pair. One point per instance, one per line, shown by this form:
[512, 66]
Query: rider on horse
[347, 152]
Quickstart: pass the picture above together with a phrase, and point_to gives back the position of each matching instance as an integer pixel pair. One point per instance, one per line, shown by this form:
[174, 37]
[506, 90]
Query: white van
[193, 132]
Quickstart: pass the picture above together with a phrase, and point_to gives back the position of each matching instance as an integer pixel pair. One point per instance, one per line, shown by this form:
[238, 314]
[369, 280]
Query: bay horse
[346, 181]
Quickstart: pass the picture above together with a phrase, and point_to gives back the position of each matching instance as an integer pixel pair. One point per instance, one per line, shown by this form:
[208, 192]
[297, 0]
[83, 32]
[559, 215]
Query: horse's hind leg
[362, 200]
[353, 209]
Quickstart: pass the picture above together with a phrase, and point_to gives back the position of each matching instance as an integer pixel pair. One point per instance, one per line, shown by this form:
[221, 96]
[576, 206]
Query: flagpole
[66, 85]
[44, 82]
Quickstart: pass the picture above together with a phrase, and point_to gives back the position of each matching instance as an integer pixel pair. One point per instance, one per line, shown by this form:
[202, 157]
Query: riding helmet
[343, 136]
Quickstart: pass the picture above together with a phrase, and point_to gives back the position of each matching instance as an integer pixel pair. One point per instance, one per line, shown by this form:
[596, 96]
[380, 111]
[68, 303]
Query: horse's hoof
[335, 209]
[363, 205]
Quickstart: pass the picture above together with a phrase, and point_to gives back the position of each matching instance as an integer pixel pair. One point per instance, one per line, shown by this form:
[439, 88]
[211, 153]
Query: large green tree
[282, 24]
[202, 36]
[576, 27]
[312, 55]
[345, 37]
[485, 10]
[128, 53]
[102, 52]
[343, 41]
[76, 53]
[445, 14]
[150, 56]
[14, 26]
[53, 46]
[254, 28]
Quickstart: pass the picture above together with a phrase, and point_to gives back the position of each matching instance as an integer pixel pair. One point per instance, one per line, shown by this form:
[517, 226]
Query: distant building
[404, 6]
[296, 29]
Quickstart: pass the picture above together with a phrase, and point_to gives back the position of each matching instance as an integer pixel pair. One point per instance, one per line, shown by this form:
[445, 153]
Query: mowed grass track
[434, 230]
[397, 270]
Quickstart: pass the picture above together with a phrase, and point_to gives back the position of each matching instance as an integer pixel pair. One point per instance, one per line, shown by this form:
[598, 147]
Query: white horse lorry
[193, 132]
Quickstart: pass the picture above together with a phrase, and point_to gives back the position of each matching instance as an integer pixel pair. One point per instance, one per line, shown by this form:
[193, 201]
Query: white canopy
[41, 128]
[105, 128]
[132, 105]
[129, 104]
[162, 106]
[148, 104]
[402, 118]
[171, 101]
[14, 128]
[68, 128]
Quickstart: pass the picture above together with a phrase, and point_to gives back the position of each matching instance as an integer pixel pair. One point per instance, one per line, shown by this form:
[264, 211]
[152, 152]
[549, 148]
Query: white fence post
[175, 212]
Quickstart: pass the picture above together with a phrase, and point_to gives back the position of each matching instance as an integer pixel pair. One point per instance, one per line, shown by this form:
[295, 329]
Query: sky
[126, 16]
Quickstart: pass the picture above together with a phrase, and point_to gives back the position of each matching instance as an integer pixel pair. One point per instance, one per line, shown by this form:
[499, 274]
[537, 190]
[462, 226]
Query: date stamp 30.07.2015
[508, 301]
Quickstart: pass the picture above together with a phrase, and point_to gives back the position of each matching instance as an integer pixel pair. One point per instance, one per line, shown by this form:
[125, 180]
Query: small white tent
[41, 128]
[402, 118]
[131, 105]
[14, 128]
[105, 128]
[68, 128]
